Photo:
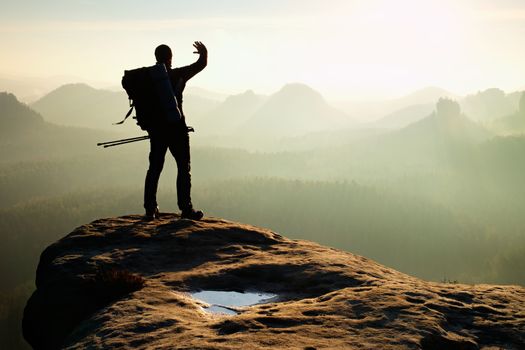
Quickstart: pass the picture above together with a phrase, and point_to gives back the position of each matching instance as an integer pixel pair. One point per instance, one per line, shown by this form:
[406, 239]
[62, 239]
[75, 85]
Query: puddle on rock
[227, 302]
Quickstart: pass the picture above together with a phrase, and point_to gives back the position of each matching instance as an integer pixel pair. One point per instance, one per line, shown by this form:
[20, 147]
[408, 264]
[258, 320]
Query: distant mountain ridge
[294, 110]
[231, 113]
[376, 109]
[405, 116]
[487, 105]
[446, 125]
[428, 94]
[15, 115]
[205, 93]
[513, 123]
[25, 135]
[84, 106]
[30, 89]
[490, 104]
[442, 136]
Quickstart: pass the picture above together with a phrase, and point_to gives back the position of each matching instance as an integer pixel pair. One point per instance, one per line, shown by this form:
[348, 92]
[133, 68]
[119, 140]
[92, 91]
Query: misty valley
[432, 186]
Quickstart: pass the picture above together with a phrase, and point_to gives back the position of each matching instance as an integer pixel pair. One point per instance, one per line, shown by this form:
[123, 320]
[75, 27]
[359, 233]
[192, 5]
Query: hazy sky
[343, 48]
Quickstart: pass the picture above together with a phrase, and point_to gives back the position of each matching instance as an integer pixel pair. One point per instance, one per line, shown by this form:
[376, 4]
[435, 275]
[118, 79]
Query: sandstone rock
[327, 298]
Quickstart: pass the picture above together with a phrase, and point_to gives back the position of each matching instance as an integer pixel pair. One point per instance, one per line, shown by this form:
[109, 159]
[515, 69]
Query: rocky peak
[14, 113]
[125, 283]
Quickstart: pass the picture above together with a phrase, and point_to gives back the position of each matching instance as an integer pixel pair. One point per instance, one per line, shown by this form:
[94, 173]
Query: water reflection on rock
[228, 302]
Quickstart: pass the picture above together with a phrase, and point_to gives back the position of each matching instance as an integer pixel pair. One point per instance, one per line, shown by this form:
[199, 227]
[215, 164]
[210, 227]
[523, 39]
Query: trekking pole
[124, 142]
[131, 139]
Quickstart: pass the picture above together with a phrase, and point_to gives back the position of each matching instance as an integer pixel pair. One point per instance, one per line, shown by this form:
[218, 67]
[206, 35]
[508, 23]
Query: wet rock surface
[327, 298]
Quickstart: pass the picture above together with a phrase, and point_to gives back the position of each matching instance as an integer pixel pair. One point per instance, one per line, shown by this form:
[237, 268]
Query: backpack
[151, 95]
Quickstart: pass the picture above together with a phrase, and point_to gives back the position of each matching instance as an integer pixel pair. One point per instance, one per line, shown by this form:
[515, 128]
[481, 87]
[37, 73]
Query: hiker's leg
[158, 147]
[180, 148]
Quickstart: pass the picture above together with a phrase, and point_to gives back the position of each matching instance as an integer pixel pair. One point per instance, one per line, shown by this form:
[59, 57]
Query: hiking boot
[191, 214]
[152, 214]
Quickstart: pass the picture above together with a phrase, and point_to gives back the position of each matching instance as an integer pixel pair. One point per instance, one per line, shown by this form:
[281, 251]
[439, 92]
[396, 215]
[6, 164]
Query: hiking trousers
[177, 140]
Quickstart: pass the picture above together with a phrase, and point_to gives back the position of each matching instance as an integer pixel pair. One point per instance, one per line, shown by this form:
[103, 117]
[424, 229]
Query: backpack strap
[132, 105]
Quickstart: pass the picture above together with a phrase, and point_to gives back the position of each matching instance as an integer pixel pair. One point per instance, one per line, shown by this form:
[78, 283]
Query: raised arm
[188, 72]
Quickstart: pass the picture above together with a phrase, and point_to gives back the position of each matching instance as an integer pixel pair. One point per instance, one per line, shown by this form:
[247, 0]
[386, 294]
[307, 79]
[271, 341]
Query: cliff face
[124, 283]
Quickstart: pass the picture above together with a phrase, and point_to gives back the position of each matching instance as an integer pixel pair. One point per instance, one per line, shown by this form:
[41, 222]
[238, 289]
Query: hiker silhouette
[164, 135]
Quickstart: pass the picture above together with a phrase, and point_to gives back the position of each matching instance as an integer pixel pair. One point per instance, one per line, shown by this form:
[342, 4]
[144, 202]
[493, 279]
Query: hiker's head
[163, 55]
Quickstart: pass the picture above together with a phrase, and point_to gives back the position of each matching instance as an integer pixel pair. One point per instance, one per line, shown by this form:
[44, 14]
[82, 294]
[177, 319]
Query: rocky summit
[127, 283]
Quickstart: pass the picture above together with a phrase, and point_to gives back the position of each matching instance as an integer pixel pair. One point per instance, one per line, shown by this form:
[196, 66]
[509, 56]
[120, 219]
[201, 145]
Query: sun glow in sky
[343, 48]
